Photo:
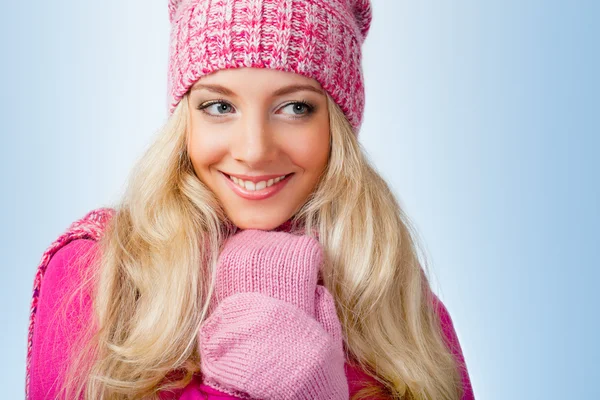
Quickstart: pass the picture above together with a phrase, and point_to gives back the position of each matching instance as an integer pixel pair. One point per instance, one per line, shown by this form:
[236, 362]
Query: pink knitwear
[320, 39]
[277, 264]
[258, 347]
[52, 332]
[264, 341]
[91, 227]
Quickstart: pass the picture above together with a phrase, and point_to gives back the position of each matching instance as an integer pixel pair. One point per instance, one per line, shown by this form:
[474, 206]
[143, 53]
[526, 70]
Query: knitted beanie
[319, 39]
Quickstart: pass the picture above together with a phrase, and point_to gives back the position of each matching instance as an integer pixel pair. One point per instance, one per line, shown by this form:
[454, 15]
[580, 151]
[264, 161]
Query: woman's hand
[274, 332]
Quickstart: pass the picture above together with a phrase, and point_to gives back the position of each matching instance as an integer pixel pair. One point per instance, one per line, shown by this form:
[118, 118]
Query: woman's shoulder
[69, 258]
[88, 228]
[451, 338]
[61, 268]
[75, 242]
[446, 322]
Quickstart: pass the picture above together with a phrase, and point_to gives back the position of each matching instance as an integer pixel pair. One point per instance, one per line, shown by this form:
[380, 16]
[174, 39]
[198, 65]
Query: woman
[256, 253]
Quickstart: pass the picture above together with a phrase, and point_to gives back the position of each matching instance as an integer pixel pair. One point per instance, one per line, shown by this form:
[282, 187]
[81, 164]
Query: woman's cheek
[308, 147]
[206, 149]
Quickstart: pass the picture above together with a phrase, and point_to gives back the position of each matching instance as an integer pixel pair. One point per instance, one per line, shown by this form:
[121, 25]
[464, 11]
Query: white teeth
[261, 185]
[251, 186]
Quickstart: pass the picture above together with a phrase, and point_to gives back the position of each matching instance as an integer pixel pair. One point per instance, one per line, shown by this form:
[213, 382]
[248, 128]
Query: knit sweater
[54, 329]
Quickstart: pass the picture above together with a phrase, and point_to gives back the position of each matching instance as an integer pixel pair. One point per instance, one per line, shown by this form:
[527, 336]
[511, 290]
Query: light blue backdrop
[482, 116]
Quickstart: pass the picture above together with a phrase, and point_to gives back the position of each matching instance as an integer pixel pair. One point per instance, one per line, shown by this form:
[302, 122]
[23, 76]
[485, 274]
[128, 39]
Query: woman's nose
[254, 144]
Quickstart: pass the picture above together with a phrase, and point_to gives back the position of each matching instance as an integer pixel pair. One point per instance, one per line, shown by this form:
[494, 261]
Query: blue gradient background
[482, 116]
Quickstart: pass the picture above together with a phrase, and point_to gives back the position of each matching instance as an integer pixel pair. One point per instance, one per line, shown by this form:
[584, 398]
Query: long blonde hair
[153, 283]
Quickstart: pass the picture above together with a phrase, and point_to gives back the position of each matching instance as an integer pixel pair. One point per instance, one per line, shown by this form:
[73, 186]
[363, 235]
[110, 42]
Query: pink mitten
[274, 333]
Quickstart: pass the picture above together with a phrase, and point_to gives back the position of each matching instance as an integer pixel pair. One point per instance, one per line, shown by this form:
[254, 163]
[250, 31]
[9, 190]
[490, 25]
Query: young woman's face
[256, 125]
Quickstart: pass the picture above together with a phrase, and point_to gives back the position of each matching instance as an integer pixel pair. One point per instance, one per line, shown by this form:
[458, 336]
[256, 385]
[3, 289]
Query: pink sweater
[54, 332]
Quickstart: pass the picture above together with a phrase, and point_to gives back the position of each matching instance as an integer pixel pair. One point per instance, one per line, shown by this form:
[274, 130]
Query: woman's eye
[220, 108]
[216, 108]
[298, 108]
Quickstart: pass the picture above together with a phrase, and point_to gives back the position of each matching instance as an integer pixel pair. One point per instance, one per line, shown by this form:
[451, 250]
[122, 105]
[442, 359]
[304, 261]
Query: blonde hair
[154, 281]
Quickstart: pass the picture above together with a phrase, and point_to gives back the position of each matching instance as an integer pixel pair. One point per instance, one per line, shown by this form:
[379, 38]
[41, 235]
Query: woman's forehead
[260, 76]
[257, 84]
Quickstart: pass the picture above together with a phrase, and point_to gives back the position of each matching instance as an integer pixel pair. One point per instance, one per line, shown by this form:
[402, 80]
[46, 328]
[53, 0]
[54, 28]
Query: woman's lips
[254, 179]
[257, 194]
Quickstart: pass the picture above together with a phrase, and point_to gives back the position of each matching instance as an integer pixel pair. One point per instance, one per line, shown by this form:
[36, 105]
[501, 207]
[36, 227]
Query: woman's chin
[265, 223]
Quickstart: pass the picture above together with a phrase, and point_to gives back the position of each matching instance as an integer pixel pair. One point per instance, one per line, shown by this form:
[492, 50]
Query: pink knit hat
[320, 39]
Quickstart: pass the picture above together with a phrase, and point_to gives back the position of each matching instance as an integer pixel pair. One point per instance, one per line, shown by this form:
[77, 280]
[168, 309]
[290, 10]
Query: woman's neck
[283, 227]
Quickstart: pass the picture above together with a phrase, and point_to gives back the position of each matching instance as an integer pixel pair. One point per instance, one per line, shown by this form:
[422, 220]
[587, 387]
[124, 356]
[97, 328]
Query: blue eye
[219, 108]
[216, 108]
[299, 108]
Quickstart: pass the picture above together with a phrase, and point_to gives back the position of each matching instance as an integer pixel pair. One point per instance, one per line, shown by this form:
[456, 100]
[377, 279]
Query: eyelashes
[204, 106]
[223, 105]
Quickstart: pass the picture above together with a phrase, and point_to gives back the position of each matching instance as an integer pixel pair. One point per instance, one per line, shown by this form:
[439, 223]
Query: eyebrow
[279, 92]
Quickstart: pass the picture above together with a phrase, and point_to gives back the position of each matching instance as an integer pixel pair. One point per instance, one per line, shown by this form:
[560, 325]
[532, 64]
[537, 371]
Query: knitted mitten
[275, 332]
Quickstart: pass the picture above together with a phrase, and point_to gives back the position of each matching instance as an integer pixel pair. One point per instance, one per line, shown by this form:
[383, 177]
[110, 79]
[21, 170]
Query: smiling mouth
[257, 191]
[256, 186]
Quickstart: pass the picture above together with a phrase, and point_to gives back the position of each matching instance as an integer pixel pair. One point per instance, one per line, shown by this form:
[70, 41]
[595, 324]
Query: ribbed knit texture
[277, 264]
[320, 39]
[275, 332]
